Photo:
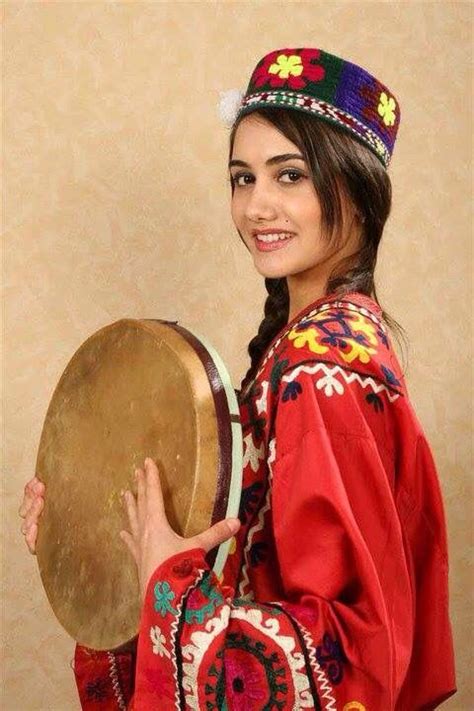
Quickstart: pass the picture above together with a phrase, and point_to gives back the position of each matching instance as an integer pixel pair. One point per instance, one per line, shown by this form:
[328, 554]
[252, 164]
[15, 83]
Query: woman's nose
[261, 204]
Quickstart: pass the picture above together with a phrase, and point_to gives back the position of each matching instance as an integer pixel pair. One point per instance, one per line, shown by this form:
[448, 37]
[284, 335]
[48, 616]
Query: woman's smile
[269, 239]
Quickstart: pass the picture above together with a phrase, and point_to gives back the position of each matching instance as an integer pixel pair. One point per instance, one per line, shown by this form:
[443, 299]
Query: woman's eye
[236, 178]
[292, 173]
[293, 176]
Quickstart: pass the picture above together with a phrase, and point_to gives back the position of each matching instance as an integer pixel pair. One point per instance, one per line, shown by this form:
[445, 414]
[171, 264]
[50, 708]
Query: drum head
[135, 388]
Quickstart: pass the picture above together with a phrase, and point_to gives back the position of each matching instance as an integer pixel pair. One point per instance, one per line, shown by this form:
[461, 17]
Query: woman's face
[275, 193]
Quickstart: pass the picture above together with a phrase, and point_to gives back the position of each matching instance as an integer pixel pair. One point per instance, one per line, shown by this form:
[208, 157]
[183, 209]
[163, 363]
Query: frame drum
[133, 389]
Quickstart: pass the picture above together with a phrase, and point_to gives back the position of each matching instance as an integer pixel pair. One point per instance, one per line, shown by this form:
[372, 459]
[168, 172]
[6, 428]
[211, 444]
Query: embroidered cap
[328, 87]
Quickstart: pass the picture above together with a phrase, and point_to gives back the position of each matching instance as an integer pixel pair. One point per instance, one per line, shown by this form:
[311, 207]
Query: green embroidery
[269, 609]
[213, 596]
[277, 369]
[163, 597]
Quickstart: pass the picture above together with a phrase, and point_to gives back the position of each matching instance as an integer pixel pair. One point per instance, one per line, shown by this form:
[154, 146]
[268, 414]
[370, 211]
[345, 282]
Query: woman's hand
[151, 539]
[30, 509]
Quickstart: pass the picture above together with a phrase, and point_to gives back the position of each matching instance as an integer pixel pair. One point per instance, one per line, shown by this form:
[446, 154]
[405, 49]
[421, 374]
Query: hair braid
[276, 310]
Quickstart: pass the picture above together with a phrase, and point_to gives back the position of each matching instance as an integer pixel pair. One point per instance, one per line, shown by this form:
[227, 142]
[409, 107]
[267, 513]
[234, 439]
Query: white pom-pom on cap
[229, 104]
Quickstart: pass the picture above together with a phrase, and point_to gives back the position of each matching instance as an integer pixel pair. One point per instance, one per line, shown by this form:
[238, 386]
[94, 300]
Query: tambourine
[133, 389]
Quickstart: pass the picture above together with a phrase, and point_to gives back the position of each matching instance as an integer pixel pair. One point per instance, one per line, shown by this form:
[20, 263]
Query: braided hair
[341, 167]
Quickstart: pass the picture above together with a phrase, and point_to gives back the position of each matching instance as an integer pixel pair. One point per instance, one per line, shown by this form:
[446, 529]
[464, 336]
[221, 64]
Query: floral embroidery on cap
[293, 70]
[386, 109]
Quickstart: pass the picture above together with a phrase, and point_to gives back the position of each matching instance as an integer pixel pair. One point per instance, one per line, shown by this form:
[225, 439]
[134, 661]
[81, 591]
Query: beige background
[116, 204]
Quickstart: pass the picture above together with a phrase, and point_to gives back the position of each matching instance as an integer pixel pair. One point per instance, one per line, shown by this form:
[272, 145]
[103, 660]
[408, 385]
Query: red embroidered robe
[335, 595]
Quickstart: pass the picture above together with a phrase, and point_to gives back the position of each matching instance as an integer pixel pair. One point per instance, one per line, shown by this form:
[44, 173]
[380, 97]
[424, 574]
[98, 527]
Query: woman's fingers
[31, 491]
[141, 493]
[33, 514]
[31, 537]
[130, 541]
[153, 485]
[132, 512]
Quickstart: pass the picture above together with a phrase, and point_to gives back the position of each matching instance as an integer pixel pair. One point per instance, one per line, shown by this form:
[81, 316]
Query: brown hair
[338, 163]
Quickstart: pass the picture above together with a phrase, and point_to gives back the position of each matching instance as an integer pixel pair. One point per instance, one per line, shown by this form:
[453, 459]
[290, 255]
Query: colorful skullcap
[332, 89]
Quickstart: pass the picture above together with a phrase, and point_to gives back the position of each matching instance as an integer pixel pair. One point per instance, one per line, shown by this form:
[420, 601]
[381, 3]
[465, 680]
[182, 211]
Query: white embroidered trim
[258, 526]
[322, 108]
[324, 687]
[329, 384]
[115, 681]
[173, 632]
[194, 651]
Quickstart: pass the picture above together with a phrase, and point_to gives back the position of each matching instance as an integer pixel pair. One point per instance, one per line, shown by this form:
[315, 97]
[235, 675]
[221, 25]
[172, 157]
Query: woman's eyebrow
[271, 161]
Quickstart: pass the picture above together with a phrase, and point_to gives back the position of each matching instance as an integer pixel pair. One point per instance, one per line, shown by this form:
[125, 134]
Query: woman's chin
[269, 272]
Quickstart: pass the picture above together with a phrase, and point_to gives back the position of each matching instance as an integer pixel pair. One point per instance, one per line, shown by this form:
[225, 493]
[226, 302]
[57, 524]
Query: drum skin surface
[133, 389]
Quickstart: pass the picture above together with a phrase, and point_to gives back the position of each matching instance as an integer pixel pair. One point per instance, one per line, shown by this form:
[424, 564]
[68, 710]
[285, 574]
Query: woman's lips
[271, 246]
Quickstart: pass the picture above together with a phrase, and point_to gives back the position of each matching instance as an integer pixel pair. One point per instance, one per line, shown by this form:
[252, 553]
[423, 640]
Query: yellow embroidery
[386, 109]
[309, 337]
[287, 65]
[354, 706]
[312, 337]
[358, 350]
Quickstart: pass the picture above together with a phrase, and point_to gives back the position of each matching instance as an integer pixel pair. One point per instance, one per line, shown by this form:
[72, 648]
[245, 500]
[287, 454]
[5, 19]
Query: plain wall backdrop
[116, 204]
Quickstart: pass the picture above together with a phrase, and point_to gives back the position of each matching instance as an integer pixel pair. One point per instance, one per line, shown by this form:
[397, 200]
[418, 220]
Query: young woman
[335, 595]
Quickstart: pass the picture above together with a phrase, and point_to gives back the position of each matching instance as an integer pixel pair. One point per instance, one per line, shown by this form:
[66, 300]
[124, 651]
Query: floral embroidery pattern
[203, 601]
[293, 70]
[351, 335]
[331, 385]
[243, 685]
[258, 525]
[163, 597]
[277, 369]
[183, 569]
[253, 455]
[97, 689]
[256, 420]
[330, 654]
[253, 386]
[258, 553]
[386, 109]
[249, 500]
[292, 390]
[390, 376]
[376, 401]
[159, 640]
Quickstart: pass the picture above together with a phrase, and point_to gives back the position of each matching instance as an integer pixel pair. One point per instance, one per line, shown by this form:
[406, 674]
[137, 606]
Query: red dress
[335, 596]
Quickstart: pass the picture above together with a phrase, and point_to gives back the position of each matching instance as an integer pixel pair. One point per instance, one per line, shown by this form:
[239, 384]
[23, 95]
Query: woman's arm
[105, 679]
[333, 638]
[342, 636]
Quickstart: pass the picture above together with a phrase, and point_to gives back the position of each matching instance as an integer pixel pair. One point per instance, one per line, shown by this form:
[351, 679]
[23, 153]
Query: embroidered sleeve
[201, 649]
[339, 637]
[105, 679]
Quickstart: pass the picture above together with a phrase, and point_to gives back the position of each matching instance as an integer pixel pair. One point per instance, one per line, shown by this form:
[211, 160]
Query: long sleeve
[342, 634]
[105, 679]
[332, 637]
[336, 636]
